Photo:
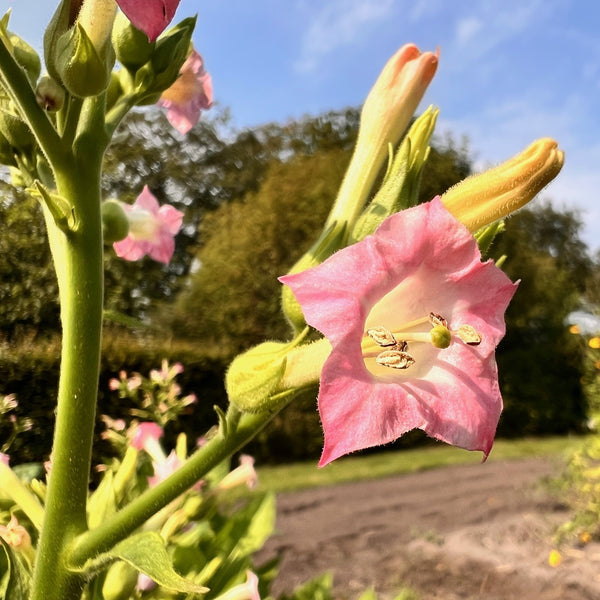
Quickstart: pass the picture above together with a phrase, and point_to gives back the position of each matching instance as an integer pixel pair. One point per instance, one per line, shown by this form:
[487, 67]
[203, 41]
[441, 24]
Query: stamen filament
[368, 344]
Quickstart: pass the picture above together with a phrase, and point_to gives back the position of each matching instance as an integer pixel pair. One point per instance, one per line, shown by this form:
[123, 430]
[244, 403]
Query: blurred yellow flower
[574, 329]
[585, 537]
[594, 342]
[554, 558]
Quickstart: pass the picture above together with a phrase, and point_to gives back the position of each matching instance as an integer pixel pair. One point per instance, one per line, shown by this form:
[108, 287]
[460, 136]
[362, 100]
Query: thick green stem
[101, 539]
[78, 257]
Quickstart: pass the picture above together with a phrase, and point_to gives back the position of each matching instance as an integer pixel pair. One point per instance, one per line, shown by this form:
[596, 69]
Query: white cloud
[339, 23]
[467, 28]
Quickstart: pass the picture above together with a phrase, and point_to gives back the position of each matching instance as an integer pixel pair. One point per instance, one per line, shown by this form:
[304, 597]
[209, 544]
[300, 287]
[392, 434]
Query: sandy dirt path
[474, 531]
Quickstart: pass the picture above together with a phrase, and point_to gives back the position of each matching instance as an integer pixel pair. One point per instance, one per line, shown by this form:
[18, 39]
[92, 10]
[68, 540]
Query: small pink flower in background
[164, 468]
[4, 458]
[191, 93]
[166, 372]
[152, 229]
[243, 591]
[373, 301]
[132, 383]
[145, 437]
[244, 474]
[15, 535]
[149, 16]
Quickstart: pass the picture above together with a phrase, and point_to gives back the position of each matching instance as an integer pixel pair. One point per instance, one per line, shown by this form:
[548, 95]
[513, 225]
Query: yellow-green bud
[254, 375]
[131, 45]
[49, 94]
[115, 225]
[120, 581]
[83, 71]
[482, 199]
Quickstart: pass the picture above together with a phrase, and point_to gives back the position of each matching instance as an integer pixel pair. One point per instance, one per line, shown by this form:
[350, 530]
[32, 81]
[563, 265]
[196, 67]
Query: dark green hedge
[31, 372]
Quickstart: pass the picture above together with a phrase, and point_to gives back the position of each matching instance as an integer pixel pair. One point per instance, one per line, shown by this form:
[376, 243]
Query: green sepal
[82, 70]
[254, 375]
[486, 235]
[331, 240]
[62, 20]
[61, 210]
[16, 579]
[102, 504]
[145, 552]
[131, 45]
[400, 187]
[161, 71]
[115, 225]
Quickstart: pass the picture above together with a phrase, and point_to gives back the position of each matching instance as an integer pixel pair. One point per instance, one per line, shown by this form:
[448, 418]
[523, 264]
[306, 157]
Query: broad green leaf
[147, 553]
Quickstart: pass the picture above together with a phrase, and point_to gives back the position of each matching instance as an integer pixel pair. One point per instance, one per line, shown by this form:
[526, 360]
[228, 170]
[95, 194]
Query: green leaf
[318, 588]
[147, 553]
[102, 503]
[16, 582]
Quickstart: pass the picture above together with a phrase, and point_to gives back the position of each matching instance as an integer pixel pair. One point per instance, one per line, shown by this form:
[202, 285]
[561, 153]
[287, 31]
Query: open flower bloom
[152, 229]
[150, 16]
[413, 318]
[191, 93]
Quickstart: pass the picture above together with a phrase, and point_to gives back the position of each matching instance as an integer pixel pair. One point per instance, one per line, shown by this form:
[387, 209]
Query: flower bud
[80, 66]
[62, 20]
[385, 115]
[97, 18]
[49, 94]
[254, 375]
[120, 581]
[131, 45]
[115, 224]
[171, 51]
[400, 186]
[482, 199]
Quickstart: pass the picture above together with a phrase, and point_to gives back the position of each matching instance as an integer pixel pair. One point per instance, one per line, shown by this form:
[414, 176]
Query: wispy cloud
[339, 23]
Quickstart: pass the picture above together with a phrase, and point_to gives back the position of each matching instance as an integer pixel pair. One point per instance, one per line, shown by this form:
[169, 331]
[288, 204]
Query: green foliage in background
[540, 364]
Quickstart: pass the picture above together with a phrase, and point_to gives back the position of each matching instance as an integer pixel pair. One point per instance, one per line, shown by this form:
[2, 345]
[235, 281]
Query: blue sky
[510, 71]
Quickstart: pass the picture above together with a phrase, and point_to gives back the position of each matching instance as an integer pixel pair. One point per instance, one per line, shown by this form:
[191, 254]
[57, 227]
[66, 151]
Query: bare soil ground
[474, 531]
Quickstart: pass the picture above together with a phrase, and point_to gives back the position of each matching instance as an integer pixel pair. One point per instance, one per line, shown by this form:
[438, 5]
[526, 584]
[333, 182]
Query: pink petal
[150, 16]
[147, 201]
[420, 260]
[145, 432]
[189, 95]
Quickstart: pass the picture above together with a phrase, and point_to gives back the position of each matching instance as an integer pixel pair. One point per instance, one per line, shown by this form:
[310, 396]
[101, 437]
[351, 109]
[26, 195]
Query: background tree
[540, 362]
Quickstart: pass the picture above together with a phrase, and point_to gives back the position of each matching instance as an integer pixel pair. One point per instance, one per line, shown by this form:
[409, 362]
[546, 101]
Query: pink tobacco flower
[163, 468]
[243, 591]
[152, 229]
[413, 318]
[191, 93]
[149, 16]
[244, 474]
[146, 436]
